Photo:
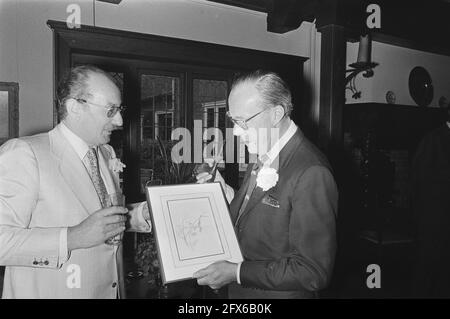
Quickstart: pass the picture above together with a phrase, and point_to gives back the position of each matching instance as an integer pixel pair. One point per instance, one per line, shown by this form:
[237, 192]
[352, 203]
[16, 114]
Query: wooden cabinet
[379, 143]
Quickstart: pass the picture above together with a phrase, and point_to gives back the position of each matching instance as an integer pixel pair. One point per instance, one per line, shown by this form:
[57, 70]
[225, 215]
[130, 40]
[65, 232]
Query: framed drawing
[9, 111]
[192, 227]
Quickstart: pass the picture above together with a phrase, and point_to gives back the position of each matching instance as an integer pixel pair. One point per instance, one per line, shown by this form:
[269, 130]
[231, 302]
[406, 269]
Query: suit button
[114, 284]
[46, 262]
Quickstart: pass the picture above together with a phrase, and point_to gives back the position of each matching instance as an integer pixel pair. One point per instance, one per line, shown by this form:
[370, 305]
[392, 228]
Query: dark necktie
[251, 187]
[96, 178]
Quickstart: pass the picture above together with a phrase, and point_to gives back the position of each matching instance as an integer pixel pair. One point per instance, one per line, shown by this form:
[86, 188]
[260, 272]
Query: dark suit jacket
[288, 251]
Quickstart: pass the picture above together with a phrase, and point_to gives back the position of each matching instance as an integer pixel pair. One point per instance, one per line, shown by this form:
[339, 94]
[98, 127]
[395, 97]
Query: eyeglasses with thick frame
[243, 123]
[112, 109]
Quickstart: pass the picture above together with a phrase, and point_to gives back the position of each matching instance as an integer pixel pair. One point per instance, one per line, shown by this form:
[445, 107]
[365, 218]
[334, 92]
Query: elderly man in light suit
[54, 214]
[285, 211]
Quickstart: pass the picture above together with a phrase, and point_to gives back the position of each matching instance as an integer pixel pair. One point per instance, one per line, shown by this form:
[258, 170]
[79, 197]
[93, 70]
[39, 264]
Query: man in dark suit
[431, 203]
[285, 211]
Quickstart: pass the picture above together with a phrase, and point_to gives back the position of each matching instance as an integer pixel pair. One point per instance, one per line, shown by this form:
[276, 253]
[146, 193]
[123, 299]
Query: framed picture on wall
[192, 227]
[9, 111]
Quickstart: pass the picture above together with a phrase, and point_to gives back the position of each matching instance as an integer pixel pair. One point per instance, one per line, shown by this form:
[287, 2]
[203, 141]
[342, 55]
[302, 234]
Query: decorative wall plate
[390, 97]
[420, 87]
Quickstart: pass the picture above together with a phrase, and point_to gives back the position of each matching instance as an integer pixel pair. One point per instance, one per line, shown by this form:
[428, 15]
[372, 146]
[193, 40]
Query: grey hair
[272, 89]
[74, 84]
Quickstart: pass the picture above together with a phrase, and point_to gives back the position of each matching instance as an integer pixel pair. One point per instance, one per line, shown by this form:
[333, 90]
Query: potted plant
[146, 256]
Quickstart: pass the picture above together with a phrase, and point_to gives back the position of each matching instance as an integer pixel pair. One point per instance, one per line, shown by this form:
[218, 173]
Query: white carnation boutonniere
[267, 178]
[116, 165]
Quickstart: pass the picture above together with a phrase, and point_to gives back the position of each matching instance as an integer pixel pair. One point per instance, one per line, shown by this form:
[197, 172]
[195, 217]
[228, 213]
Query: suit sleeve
[312, 239]
[21, 245]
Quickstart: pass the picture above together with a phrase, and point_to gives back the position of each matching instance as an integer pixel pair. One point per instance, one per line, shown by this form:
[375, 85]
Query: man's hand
[205, 177]
[217, 274]
[98, 227]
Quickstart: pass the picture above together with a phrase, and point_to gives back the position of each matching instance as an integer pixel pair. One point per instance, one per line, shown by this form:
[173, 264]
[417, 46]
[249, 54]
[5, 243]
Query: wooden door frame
[104, 42]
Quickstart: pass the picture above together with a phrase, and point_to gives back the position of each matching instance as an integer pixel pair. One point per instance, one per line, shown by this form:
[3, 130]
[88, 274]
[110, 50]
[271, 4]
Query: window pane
[210, 117]
[160, 111]
[210, 104]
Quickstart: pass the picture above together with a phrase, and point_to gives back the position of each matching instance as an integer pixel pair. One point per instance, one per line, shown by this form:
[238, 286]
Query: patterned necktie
[251, 187]
[96, 178]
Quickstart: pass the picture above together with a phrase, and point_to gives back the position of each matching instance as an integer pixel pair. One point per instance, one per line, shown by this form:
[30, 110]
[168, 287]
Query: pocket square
[271, 201]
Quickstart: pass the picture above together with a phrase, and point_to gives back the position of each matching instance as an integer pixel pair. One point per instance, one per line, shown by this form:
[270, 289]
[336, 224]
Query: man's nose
[117, 120]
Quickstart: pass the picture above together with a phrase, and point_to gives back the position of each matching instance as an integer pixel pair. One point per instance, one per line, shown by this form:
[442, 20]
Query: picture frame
[9, 111]
[192, 227]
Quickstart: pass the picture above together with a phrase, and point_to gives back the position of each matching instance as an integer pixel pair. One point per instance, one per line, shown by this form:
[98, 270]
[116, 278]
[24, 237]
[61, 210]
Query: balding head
[75, 84]
[272, 90]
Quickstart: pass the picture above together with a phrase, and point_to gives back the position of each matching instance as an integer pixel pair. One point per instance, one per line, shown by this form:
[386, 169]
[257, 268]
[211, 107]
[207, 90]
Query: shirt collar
[80, 146]
[270, 156]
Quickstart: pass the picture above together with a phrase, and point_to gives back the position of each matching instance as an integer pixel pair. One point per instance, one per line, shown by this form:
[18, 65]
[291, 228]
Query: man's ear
[73, 108]
[278, 114]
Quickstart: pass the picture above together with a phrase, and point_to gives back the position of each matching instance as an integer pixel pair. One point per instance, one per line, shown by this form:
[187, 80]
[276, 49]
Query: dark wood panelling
[110, 42]
[332, 93]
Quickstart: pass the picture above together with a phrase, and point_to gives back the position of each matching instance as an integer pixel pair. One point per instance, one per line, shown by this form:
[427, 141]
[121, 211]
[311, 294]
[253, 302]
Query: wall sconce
[363, 64]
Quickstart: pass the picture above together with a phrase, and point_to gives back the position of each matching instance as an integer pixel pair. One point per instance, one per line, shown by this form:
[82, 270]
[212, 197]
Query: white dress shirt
[267, 159]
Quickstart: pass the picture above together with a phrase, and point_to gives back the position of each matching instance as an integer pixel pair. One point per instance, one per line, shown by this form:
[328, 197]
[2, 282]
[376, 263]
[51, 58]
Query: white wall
[26, 51]
[8, 41]
[201, 20]
[392, 73]
[26, 55]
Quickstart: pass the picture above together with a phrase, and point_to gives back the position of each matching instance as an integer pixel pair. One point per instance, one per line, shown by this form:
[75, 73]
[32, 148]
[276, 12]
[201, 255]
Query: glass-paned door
[160, 113]
[209, 108]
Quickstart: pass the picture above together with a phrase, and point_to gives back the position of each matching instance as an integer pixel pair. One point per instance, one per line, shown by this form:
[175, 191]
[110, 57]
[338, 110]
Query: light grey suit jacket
[45, 187]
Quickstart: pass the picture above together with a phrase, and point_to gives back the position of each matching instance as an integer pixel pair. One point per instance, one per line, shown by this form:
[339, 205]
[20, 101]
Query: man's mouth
[109, 131]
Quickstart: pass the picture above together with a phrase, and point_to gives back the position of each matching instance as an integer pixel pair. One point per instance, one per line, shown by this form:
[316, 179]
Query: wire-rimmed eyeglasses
[111, 109]
[243, 123]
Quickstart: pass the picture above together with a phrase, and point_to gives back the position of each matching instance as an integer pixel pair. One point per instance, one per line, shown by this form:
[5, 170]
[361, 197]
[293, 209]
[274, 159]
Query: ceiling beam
[421, 25]
[282, 15]
[287, 15]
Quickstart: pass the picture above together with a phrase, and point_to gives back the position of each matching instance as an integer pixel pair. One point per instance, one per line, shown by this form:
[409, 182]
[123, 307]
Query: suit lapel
[73, 172]
[278, 164]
